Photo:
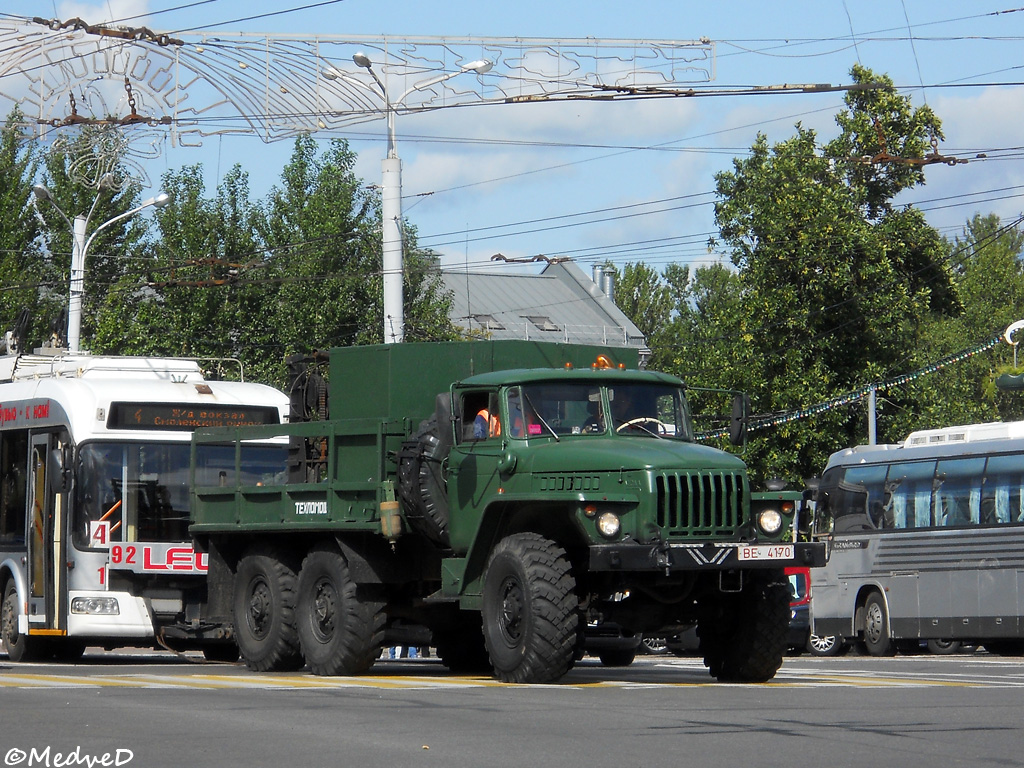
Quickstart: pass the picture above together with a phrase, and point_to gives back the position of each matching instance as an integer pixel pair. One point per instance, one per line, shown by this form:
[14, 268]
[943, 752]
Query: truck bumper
[704, 557]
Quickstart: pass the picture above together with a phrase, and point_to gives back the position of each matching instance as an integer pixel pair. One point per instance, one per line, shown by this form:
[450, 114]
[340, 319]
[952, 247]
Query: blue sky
[631, 180]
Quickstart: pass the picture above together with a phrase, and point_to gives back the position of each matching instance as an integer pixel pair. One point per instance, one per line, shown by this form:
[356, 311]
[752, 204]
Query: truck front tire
[340, 629]
[263, 607]
[530, 610]
[743, 635]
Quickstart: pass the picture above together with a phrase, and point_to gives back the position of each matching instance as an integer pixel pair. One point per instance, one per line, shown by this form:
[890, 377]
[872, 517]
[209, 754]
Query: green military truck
[494, 499]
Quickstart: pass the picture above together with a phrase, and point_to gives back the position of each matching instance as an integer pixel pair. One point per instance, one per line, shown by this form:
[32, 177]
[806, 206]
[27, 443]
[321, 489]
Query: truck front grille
[700, 503]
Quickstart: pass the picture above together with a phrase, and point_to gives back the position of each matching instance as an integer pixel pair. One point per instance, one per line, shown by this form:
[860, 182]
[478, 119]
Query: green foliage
[23, 268]
[295, 272]
[832, 285]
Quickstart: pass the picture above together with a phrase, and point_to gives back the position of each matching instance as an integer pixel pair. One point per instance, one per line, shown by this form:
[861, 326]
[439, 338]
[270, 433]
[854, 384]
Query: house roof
[561, 303]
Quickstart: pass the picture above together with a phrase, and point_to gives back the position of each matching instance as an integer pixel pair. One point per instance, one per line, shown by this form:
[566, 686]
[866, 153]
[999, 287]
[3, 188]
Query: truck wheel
[877, 641]
[264, 613]
[460, 645]
[530, 610]
[742, 636]
[421, 484]
[19, 647]
[340, 629]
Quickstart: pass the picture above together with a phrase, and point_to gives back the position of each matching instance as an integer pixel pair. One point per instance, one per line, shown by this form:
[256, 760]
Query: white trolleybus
[94, 501]
[927, 541]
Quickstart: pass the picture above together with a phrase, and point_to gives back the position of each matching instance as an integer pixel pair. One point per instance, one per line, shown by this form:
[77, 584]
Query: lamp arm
[119, 217]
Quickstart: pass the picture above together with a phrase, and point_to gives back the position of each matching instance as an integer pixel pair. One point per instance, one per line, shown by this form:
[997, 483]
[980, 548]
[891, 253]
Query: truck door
[473, 465]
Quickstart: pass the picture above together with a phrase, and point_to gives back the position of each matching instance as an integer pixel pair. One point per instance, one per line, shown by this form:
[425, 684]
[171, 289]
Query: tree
[834, 281]
[22, 269]
[989, 281]
[298, 271]
[185, 299]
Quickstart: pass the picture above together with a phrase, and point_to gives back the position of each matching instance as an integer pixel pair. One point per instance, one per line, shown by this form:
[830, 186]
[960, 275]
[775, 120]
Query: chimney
[608, 283]
[597, 271]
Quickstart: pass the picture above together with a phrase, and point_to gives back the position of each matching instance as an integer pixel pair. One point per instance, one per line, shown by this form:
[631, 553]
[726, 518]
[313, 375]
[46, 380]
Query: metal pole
[391, 212]
[872, 435]
[78, 247]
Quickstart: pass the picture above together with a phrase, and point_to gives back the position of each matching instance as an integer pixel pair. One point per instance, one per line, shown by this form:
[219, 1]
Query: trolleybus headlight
[608, 525]
[769, 521]
[95, 606]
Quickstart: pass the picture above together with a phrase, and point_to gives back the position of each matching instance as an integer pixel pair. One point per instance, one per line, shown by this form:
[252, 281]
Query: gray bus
[927, 541]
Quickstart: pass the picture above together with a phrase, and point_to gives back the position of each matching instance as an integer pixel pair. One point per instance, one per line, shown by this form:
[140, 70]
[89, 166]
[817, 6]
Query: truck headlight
[95, 606]
[769, 521]
[608, 525]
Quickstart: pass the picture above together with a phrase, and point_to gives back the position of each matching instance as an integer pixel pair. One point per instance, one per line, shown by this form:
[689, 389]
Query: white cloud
[109, 10]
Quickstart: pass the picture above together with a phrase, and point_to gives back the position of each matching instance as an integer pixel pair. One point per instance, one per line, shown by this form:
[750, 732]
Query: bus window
[908, 490]
[1003, 496]
[13, 476]
[958, 491]
[855, 496]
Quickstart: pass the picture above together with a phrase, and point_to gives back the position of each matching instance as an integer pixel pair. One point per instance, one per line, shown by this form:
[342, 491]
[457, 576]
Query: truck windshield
[579, 408]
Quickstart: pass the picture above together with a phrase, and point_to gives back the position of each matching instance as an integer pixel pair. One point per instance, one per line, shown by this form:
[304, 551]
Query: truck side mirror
[738, 420]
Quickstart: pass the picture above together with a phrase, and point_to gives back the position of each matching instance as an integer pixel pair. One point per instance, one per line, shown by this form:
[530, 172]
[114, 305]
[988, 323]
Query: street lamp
[80, 247]
[391, 191]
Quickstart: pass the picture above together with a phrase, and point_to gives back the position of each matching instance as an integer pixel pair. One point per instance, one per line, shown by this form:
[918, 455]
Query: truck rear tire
[743, 635]
[264, 612]
[530, 610]
[340, 630]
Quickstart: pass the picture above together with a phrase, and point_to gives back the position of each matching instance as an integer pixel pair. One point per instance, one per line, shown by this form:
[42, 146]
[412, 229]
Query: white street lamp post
[80, 248]
[391, 194]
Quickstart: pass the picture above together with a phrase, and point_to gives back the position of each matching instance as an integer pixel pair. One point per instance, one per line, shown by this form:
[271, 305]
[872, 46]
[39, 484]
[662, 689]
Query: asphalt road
[153, 710]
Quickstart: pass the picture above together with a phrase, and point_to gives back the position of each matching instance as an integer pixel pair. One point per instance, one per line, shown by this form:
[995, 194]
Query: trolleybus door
[45, 542]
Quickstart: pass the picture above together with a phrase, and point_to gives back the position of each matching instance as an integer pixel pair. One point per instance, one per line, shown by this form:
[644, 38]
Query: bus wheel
[340, 628]
[530, 610]
[825, 645]
[264, 612]
[19, 647]
[877, 641]
[743, 636]
[944, 647]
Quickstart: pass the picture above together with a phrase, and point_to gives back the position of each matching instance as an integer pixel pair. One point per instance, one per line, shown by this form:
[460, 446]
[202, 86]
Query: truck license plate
[767, 552]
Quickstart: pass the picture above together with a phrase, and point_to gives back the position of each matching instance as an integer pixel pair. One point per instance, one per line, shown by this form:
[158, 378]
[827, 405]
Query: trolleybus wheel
[530, 610]
[19, 647]
[341, 628]
[264, 612]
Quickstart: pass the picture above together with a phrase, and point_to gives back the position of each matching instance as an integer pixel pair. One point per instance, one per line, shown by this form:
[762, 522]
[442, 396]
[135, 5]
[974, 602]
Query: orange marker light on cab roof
[603, 361]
